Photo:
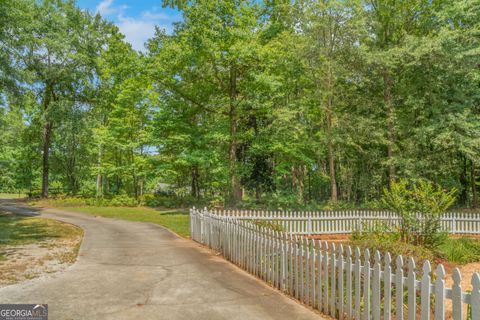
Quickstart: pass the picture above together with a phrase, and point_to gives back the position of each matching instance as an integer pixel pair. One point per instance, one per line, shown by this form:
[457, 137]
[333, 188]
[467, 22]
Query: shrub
[123, 201]
[419, 206]
[272, 225]
[385, 239]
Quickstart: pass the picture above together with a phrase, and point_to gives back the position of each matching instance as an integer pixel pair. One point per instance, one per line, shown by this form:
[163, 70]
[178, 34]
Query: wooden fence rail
[342, 282]
[346, 221]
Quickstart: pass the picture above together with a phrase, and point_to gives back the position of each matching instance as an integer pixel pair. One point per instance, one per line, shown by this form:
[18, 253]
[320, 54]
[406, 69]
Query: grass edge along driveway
[176, 221]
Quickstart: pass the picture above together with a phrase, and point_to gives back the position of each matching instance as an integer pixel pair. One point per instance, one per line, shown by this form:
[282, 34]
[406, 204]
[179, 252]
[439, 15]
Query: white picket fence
[339, 281]
[346, 221]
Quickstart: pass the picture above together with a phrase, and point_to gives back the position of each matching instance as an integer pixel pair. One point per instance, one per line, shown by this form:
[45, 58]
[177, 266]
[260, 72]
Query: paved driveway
[130, 270]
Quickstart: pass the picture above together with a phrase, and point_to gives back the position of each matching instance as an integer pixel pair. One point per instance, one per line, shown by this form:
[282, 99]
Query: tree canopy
[245, 102]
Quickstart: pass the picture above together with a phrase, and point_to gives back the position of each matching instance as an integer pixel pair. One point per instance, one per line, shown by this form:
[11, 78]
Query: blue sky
[135, 18]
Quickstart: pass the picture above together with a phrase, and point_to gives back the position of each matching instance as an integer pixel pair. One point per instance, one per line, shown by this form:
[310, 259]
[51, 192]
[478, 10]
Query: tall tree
[218, 44]
[58, 50]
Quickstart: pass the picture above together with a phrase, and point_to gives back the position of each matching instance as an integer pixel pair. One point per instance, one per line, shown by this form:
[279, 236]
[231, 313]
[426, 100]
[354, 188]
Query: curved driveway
[130, 270]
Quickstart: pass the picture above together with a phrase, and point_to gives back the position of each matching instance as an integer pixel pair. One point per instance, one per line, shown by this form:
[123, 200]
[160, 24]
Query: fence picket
[333, 278]
[475, 296]
[456, 295]
[425, 291]
[295, 272]
[325, 278]
[319, 275]
[341, 314]
[387, 287]
[412, 295]
[366, 286]
[376, 287]
[399, 288]
[306, 295]
[300, 274]
[358, 283]
[440, 293]
[313, 279]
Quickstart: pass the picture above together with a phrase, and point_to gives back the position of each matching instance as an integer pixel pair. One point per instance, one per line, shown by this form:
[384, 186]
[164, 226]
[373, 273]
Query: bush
[69, 201]
[271, 225]
[123, 201]
[385, 239]
[396, 248]
[419, 206]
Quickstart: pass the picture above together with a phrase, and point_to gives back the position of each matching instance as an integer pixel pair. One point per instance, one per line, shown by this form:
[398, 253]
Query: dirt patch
[330, 237]
[27, 261]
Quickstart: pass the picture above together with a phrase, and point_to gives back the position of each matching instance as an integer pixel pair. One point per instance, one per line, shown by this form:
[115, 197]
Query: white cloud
[105, 7]
[137, 30]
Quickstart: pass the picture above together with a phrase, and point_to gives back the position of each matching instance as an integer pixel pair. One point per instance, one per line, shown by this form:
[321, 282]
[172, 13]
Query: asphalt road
[130, 270]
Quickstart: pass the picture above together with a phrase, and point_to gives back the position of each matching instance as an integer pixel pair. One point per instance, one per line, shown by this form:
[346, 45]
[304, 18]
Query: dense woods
[273, 103]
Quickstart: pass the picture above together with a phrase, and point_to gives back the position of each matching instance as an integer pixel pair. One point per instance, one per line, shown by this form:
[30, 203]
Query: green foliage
[269, 225]
[460, 250]
[387, 239]
[395, 248]
[302, 104]
[379, 232]
[68, 201]
[419, 206]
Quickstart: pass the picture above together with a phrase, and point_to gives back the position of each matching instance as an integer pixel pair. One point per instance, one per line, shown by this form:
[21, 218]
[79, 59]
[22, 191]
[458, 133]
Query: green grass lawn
[177, 221]
[21, 230]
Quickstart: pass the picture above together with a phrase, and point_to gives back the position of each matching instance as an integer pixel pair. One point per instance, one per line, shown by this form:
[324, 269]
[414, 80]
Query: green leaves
[419, 206]
[301, 102]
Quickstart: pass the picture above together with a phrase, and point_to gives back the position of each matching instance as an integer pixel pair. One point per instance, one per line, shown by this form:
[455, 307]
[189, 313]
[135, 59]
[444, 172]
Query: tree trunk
[331, 167]
[474, 185]
[47, 135]
[388, 99]
[301, 184]
[195, 187]
[235, 189]
[331, 157]
[464, 182]
[99, 174]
